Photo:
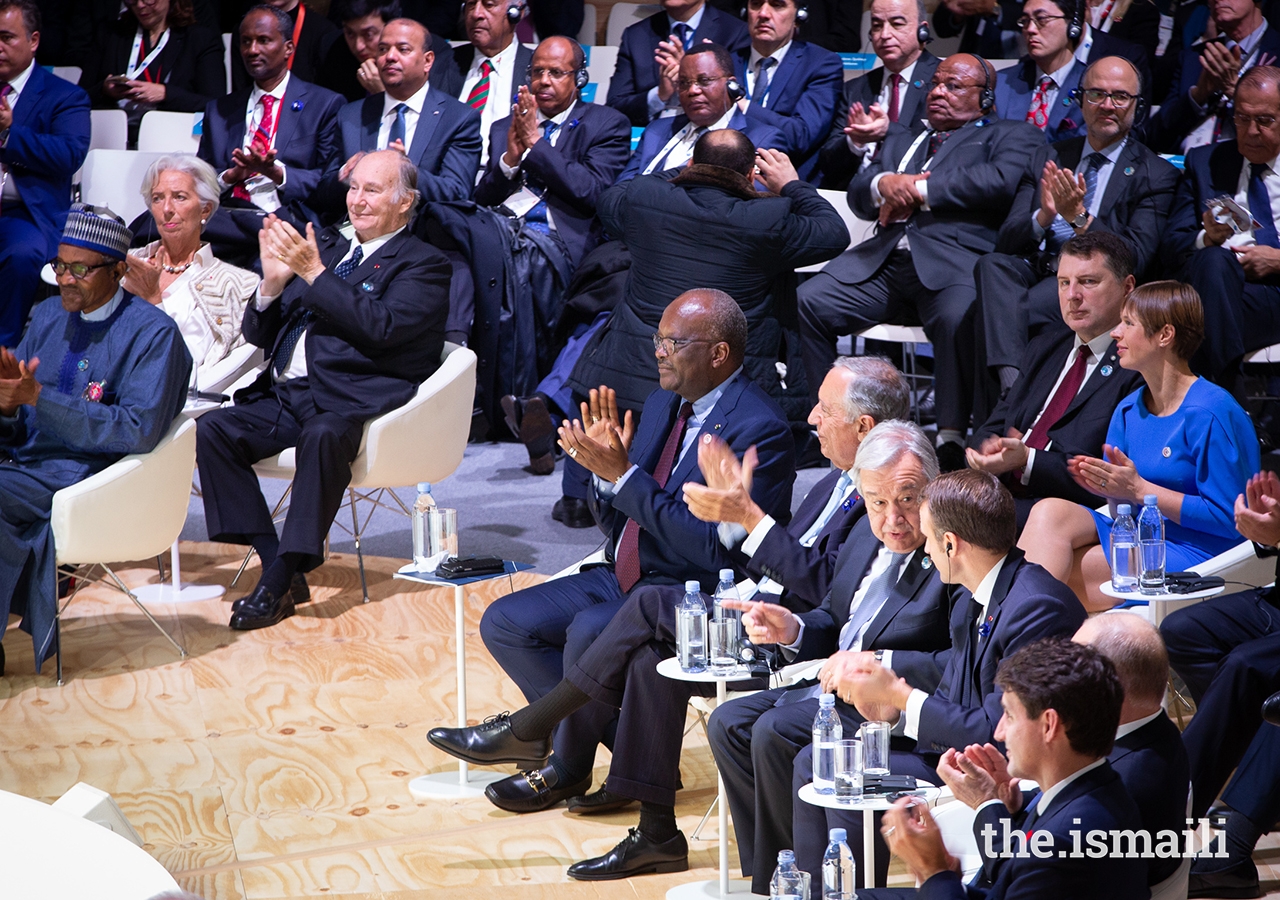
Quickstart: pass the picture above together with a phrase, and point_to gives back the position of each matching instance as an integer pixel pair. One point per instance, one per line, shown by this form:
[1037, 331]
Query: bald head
[728, 149]
[702, 340]
[955, 97]
[1135, 647]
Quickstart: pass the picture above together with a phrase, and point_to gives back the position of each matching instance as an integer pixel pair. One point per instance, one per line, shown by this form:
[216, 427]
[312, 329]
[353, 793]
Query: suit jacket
[339, 71]
[837, 164]
[1166, 130]
[589, 153]
[190, 66]
[675, 546]
[1083, 426]
[1135, 204]
[47, 143]
[308, 59]
[465, 54]
[912, 623]
[636, 72]
[833, 24]
[805, 572]
[993, 37]
[1094, 802]
[1027, 604]
[973, 179]
[378, 334]
[1209, 171]
[306, 136]
[804, 90]
[660, 131]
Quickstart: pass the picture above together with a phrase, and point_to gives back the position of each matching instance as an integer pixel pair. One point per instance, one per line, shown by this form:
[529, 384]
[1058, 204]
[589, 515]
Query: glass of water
[722, 639]
[442, 535]
[875, 747]
[848, 775]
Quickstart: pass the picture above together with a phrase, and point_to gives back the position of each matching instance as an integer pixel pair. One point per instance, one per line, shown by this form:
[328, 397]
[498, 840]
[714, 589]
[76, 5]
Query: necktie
[627, 566]
[536, 218]
[480, 93]
[5, 90]
[876, 594]
[1260, 206]
[894, 80]
[936, 140]
[762, 80]
[690, 134]
[1038, 438]
[397, 132]
[1060, 228]
[1038, 113]
[834, 502]
[261, 141]
[685, 33]
[970, 655]
[303, 318]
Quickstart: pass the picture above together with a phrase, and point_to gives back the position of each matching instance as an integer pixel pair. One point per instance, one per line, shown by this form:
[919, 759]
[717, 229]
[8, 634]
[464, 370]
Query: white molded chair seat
[226, 372]
[169, 132]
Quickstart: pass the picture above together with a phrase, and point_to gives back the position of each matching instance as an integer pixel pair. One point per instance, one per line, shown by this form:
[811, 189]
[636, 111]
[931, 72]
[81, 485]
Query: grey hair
[1138, 651]
[201, 173]
[885, 444]
[877, 389]
[406, 180]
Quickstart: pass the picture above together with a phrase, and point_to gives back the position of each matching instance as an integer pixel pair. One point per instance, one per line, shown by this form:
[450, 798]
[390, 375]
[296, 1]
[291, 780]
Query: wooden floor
[275, 763]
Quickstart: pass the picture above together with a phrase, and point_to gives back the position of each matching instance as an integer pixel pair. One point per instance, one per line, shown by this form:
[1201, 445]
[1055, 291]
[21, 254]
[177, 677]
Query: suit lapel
[1225, 163]
[1125, 168]
[1106, 367]
[235, 124]
[788, 67]
[716, 420]
[909, 584]
[851, 567]
[1070, 152]
[809, 511]
[961, 136]
[29, 103]
[1012, 562]
[432, 112]
[1062, 103]
[370, 122]
[291, 106]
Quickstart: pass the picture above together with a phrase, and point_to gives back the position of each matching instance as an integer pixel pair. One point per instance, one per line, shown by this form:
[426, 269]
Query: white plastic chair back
[623, 14]
[587, 33]
[169, 132]
[601, 62]
[955, 823]
[113, 178]
[68, 73]
[108, 129]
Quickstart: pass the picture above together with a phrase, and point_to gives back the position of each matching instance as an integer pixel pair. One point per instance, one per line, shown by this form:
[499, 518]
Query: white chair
[149, 491]
[859, 230]
[421, 441]
[601, 62]
[169, 132]
[108, 129]
[226, 372]
[623, 14]
[113, 178]
[587, 33]
[226, 57]
[955, 824]
[69, 73]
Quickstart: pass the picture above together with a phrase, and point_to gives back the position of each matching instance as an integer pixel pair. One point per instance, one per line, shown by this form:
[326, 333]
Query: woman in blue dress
[1180, 437]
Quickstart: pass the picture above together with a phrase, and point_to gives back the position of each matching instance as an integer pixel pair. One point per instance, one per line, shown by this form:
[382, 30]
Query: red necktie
[5, 90]
[1038, 114]
[627, 566]
[893, 96]
[1038, 437]
[479, 95]
[261, 138]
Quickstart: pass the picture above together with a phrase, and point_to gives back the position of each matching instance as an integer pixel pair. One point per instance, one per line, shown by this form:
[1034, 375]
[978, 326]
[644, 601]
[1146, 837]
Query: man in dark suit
[968, 522]
[494, 64]
[1236, 274]
[940, 197]
[708, 102]
[352, 336]
[272, 143]
[1199, 107]
[44, 137]
[440, 135]
[644, 86]
[894, 92]
[351, 66]
[310, 33]
[791, 86]
[1104, 180]
[1070, 382]
[1061, 706]
[987, 28]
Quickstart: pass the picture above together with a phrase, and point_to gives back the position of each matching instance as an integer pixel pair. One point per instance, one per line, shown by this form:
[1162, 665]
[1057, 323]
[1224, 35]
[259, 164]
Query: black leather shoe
[1238, 881]
[299, 592]
[533, 790]
[951, 457]
[598, 802]
[261, 610]
[490, 743]
[635, 855]
[1271, 709]
[530, 421]
[573, 512]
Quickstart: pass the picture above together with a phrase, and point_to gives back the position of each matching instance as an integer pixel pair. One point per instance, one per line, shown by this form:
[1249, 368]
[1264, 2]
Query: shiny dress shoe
[635, 855]
[533, 790]
[298, 590]
[261, 610]
[490, 743]
[573, 512]
[598, 802]
[530, 421]
[1271, 709]
[1237, 881]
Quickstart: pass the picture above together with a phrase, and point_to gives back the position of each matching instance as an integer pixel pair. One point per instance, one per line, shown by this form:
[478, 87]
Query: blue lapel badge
[926, 563]
[82, 365]
[367, 287]
[1128, 170]
[297, 106]
[917, 84]
[1107, 370]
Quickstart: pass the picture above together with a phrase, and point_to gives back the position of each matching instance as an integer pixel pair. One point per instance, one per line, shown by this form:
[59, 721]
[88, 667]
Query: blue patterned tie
[398, 128]
[762, 81]
[1060, 229]
[536, 218]
[303, 318]
[1260, 206]
[685, 33]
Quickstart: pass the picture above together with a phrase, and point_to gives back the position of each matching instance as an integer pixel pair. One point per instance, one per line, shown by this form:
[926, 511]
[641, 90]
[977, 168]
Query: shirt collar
[776, 54]
[1131, 727]
[23, 77]
[278, 91]
[1112, 151]
[988, 583]
[559, 118]
[368, 247]
[905, 74]
[703, 404]
[500, 60]
[694, 20]
[1098, 346]
[1059, 76]
[1047, 797]
[1085, 46]
[1250, 41]
[415, 102]
[103, 312]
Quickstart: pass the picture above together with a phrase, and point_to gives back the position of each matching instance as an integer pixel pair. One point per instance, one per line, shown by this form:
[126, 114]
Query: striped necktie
[261, 141]
[480, 93]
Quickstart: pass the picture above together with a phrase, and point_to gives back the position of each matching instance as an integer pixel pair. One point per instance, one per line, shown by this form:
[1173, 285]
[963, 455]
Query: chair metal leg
[57, 626]
[244, 564]
[355, 530]
[138, 603]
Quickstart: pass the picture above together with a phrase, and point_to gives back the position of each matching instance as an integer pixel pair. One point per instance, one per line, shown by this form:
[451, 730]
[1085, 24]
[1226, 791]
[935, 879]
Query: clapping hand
[18, 385]
[1114, 477]
[999, 455]
[601, 446]
[667, 56]
[912, 835]
[980, 773]
[255, 162]
[1067, 188]
[1258, 509]
[726, 496]
[1219, 71]
[524, 119]
[866, 126]
[142, 278]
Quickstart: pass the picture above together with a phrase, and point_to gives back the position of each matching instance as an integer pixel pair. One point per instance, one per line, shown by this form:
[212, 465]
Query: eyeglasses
[554, 74]
[950, 87]
[1243, 121]
[670, 346]
[1119, 99]
[704, 82]
[78, 271]
[1040, 19]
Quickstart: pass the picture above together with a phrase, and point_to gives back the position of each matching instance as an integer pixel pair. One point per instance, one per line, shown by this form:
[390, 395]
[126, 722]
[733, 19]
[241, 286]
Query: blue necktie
[685, 33]
[536, 218]
[1260, 206]
[303, 318]
[762, 81]
[1060, 228]
[397, 131]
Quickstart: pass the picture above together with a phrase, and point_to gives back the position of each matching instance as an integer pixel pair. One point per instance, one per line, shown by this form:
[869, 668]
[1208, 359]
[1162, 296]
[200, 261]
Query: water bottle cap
[785, 856]
[1124, 509]
[826, 701]
[692, 587]
[726, 574]
[424, 487]
[838, 834]
[1150, 500]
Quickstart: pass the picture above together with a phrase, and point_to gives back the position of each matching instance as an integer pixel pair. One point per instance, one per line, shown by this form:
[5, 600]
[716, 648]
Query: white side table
[670, 668]
[865, 805]
[1160, 602]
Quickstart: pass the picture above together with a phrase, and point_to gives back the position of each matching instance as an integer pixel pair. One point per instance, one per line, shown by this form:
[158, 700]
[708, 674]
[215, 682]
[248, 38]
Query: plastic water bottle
[1151, 546]
[827, 729]
[691, 629]
[787, 882]
[838, 870]
[1124, 550]
[727, 589]
[419, 517]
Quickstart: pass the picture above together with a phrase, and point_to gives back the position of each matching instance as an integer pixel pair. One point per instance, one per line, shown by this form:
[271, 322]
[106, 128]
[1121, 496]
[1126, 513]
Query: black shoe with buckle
[635, 855]
[490, 743]
[598, 802]
[533, 790]
[261, 610]
[1237, 881]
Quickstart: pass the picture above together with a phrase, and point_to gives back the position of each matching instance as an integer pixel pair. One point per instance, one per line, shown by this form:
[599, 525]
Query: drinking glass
[848, 774]
[875, 747]
[442, 535]
[722, 638]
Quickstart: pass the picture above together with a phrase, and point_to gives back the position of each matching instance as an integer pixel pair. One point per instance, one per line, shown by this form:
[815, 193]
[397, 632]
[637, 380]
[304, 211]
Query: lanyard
[676, 140]
[912, 150]
[136, 67]
[297, 33]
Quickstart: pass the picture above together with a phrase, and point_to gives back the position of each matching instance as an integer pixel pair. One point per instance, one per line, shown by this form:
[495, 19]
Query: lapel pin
[985, 628]
[1128, 170]
[917, 83]
[297, 106]
[1166, 452]
[82, 365]
[926, 563]
[436, 113]
[367, 287]
[719, 425]
[1107, 370]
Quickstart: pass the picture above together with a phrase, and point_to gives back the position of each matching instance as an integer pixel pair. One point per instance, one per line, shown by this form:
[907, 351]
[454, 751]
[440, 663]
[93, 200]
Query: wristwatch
[879, 655]
[1081, 220]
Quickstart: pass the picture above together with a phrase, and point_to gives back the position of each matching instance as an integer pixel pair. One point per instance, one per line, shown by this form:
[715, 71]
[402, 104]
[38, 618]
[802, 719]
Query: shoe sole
[524, 762]
[666, 868]
[255, 624]
[511, 414]
[585, 809]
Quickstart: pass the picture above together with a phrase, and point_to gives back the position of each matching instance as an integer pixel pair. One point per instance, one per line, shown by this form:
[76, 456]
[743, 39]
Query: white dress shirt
[657, 108]
[1048, 796]
[9, 193]
[1112, 153]
[1097, 348]
[501, 85]
[262, 190]
[753, 70]
[882, 100]
[413, 111]
[1130, 727]
[679, 149]
[1271, 181]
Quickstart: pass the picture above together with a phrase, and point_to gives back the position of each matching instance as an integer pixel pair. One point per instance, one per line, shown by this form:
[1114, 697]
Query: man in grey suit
[940, 198]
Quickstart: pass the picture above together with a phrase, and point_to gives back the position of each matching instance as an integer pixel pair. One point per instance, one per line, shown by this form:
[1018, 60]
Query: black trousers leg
[1200, 637]
[1254, 790]
[326, 447]
[947, 316]
[1002, 283]
[1219, 280]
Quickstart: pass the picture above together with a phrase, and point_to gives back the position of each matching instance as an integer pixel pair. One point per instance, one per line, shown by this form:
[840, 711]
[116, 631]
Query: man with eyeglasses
[1041, 88]
[1234, 268]
[99, 375]
[893, 92]
[1104, 180]
[493, 63]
